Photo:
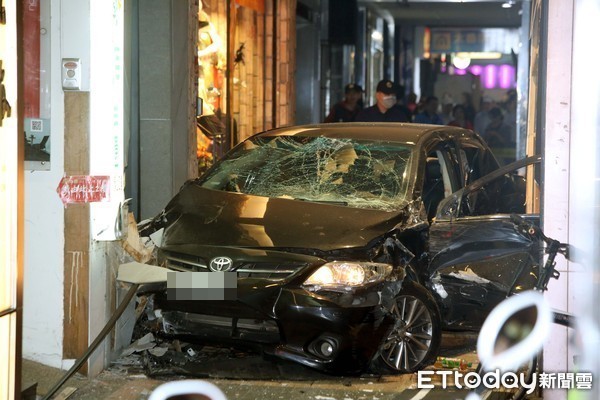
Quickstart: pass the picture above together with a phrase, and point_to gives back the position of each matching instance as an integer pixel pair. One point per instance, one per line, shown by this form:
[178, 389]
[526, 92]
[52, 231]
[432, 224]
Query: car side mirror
[514, 332]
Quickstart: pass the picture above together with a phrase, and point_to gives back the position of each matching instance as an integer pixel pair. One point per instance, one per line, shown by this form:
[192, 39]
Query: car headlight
[344, 274]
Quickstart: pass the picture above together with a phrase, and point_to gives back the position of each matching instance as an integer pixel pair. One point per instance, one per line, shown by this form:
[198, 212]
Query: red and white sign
[84, 189]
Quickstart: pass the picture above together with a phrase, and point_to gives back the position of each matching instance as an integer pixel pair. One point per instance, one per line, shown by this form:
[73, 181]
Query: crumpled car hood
[210, 217]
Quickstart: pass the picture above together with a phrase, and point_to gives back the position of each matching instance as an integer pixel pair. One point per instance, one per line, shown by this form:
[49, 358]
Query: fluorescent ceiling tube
[479, 55]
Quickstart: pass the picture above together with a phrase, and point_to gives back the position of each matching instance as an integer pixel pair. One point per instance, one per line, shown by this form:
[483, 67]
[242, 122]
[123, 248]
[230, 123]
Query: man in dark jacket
[386, 109]
[347, 109]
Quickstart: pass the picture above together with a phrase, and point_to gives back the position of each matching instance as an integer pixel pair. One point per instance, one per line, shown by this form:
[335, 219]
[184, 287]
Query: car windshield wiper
[336, 202]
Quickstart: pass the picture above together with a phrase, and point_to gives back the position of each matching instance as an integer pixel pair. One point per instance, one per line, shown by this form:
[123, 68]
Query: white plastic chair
[187, 387]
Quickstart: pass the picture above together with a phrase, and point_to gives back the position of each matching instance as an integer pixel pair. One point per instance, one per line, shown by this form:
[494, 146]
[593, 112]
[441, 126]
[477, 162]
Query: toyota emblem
[221, 264]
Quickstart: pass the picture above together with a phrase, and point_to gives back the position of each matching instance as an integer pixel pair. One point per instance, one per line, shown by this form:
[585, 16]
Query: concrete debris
[158, 351]
[131, 360]
[147, 338]
[144, 343]
[65, 393]
[140, 307]
[436, 281]
[141, 251]
[469, 275]
[137, 376]
[191, 352]
[156, 237]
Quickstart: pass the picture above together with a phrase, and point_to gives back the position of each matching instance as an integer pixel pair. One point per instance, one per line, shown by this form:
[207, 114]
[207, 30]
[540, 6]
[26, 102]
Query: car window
[440, 179]
[506, 190]
[515, 191]
[356, 173]
[477, 161]
[458, 163]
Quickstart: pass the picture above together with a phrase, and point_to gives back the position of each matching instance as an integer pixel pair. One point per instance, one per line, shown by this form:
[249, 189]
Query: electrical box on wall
[71, 74]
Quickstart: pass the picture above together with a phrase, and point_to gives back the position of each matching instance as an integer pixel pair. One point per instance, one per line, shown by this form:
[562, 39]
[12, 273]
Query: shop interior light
[506, 74]
[508, 4]
[489, 76]
[480, 55]
[377, 36]
[461, 61]
[476, 70]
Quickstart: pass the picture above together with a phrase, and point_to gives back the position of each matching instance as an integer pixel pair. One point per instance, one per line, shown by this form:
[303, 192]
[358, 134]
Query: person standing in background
[498, 133]
[411, 104]
[347, 109]
[500, 137]
[459, 117]
[510, 109]
[482, 118]
[386, 109]
[429, 114]
[447, 105]
[400, 102]
[446, 113]
[467, 103]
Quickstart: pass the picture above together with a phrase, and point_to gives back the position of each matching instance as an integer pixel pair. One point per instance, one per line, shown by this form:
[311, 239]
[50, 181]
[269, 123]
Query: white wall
[556, 166]
[44, 212]
[572, 190]
[584, 187]
[572, 193]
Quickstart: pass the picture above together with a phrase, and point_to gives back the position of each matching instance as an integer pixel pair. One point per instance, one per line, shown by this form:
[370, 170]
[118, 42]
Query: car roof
[409, 133]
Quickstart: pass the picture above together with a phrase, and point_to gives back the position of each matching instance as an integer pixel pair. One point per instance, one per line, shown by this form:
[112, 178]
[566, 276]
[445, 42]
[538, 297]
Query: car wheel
[414, 340]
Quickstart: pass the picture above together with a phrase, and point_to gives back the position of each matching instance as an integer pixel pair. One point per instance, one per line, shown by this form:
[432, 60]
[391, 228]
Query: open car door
[477, 258]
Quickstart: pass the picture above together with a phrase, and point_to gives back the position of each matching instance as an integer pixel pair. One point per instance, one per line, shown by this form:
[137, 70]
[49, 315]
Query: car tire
[414, 340]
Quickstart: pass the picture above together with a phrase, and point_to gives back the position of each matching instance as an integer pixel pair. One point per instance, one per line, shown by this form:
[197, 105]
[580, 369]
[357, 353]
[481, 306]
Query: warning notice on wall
[84, 189]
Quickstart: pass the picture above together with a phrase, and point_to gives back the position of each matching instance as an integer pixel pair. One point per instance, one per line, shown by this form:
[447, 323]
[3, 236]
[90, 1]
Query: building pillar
[166, 102]
[556, 138]
[584, 189]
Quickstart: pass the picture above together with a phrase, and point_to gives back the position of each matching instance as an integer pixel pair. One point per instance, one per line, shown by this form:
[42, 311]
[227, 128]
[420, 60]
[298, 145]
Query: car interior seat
[433, 187]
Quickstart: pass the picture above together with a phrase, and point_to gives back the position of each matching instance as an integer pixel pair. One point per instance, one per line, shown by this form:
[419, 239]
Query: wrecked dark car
[354, 245]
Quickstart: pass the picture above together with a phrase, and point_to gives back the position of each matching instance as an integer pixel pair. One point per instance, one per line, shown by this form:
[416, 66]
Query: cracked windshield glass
[354, 173]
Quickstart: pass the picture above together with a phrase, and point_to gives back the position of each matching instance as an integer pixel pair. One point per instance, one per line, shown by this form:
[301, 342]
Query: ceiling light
[508, 4]
[481, 55]
[461, 62]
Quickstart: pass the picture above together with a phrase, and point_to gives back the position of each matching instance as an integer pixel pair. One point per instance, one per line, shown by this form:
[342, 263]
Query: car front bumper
[332, 332]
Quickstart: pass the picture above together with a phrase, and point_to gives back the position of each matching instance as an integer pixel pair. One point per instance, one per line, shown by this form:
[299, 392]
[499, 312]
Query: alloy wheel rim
[410, 339]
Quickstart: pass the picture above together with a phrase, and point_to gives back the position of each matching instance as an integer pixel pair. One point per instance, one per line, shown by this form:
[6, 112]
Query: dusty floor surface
[251, 377]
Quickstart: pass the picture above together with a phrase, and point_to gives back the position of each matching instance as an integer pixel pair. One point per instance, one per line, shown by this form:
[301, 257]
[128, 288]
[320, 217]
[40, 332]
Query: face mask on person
[388, 101]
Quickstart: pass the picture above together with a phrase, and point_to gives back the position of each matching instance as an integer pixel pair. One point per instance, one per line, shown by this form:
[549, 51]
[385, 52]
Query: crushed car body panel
[217, 218]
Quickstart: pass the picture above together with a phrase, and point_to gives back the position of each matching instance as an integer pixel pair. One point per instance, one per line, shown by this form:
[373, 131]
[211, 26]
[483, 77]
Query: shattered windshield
[355, 173]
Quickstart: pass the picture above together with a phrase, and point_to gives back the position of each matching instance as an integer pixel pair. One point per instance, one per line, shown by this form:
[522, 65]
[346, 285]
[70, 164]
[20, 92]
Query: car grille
[186, 263]
[252, 329]
[260, 270]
